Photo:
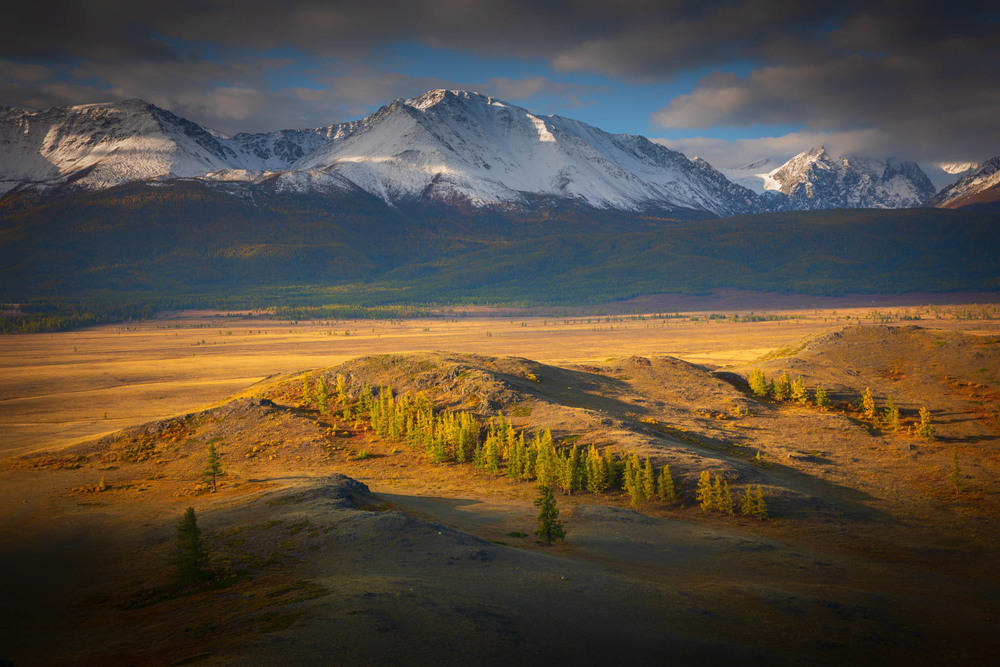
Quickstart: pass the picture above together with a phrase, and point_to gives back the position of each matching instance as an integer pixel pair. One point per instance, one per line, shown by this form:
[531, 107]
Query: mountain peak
[814, 179]
[433, 98]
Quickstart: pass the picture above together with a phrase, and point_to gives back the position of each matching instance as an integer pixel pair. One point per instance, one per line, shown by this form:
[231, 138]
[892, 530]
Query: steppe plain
[869, 556]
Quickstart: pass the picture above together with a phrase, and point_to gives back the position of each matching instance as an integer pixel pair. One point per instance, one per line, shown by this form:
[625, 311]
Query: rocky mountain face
[978, 189]
[815, 179]
[444, 146]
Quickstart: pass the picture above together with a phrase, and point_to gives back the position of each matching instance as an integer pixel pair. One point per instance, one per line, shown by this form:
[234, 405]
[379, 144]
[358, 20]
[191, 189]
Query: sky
[730, 82]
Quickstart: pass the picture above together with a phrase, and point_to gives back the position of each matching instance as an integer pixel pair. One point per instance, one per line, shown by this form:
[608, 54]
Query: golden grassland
[60, 388]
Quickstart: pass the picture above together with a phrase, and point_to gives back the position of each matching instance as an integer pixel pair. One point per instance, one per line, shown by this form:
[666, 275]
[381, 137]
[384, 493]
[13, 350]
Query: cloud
[727, 154]
[922, 72]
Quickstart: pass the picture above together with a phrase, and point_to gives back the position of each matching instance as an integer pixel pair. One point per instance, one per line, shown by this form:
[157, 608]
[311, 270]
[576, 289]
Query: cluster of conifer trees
[497, 447]
[784, 389]
[716, 496]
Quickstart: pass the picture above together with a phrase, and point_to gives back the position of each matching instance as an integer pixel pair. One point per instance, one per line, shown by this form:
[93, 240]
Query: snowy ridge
[97, 146]
[814, 179]
[456, 145]
[980, 186]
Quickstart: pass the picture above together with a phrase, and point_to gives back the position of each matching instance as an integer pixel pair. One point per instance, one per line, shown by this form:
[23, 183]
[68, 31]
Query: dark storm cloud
[925, 71]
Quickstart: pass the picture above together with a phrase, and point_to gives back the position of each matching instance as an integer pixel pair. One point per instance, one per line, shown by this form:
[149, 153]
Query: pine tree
[648, 480]
[782, 388]
[632, 479]
[704, 493]
[758, 383]
[322, 396]
[759, 506]
[342, 391]
[799, 392]
[665, 485]
[213, 469]
[549, 527]
[190, 559]
[725, 497]
[891, 415]
[747, 503]
[926, 429]
[306, 392]
[956, 473]
[822, 400]
[868, 404]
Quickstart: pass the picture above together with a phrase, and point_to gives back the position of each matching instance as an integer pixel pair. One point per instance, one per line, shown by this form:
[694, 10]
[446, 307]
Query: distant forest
[128, 252]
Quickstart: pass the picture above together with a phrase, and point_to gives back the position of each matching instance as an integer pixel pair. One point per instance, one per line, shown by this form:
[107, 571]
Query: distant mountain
[815, 180]
[979, 189]
[465, 147]
[96, 146]
[443, 147]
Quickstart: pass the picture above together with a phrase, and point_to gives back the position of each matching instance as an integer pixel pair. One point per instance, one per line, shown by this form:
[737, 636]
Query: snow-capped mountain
[461, 146]
[815, 179]
[979, 188]
[97, 146]
[448, 146]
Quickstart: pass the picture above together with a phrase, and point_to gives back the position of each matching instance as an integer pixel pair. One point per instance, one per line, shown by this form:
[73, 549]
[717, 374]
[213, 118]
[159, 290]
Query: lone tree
[549, 527]
[868, 404]
[214, 468]
[956, 473]
[190, 558]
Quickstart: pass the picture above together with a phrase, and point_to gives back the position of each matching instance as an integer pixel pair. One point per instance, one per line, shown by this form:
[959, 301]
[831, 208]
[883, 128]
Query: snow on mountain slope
[816, 180]
[277, 151]
[101, 145]
[980, 188]
[752, 175]
[461, 146]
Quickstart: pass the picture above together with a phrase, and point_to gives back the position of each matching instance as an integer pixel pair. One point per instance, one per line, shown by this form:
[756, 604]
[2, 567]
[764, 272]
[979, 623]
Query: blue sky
[729, 81]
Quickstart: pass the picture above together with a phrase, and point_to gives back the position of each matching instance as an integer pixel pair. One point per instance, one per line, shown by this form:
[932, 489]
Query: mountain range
[452, 147]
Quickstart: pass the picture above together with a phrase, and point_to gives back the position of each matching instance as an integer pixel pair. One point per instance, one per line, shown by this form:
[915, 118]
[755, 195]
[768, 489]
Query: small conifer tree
[822, 400]
[956, 473]
[648, 480]
[214, 468]
[783, 388]
[342, 391]
[891, 415]
[758, 383]
[747, 502]
[322, 396]
[868, 404]
[759, 506]
[190, 557]
[665, 485]
[725, 498]
[549, 527]
[306, 392]
[799, 392]
[704, 494]
[926, 428]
